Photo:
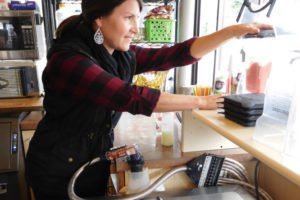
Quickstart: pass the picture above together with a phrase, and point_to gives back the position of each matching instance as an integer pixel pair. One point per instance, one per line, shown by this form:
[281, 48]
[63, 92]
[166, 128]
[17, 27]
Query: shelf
[159, 1]
[153, 45]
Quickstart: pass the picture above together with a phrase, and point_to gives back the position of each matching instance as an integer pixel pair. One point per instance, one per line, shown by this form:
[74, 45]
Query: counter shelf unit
[243, 137]
[140, 130]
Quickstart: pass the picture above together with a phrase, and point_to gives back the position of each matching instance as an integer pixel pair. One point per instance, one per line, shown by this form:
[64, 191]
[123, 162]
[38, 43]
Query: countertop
[243, 137]
[140, 130]
[21, 104]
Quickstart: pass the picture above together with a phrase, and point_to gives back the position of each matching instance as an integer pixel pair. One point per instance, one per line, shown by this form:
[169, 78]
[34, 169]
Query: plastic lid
[136, 163]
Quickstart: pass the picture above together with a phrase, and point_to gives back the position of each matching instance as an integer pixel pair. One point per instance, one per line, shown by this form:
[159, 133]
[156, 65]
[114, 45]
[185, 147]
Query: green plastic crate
[159, 30]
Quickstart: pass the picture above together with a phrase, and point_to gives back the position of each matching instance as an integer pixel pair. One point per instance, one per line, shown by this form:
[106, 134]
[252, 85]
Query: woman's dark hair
[91, 10]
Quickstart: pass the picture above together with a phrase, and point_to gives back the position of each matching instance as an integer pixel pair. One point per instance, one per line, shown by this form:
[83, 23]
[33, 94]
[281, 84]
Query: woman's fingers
[211, 102]
[250, 28]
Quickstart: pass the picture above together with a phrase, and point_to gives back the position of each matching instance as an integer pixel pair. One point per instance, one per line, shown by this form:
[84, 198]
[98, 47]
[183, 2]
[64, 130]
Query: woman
[87, 84]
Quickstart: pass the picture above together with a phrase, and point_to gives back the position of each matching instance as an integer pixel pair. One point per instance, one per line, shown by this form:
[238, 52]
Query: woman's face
[119, 27]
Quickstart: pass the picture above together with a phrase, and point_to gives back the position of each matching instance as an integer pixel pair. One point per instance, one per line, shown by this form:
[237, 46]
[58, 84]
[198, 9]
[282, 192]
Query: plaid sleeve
[74, 75]
[160, 59]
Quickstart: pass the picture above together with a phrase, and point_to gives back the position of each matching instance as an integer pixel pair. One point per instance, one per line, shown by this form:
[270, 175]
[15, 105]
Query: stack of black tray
[244, 109]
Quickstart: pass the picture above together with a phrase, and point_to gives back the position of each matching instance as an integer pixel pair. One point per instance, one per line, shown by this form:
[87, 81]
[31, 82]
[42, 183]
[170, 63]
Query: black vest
[72, 131]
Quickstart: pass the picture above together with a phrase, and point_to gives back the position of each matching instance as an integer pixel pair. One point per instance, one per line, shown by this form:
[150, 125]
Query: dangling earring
[98, 37]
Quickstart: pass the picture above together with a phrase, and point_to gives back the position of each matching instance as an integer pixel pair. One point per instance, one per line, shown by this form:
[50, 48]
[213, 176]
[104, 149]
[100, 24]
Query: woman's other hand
[176, 102]
[210, 102]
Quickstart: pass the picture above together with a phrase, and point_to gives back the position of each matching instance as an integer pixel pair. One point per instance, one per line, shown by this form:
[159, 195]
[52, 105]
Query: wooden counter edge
[21, 104]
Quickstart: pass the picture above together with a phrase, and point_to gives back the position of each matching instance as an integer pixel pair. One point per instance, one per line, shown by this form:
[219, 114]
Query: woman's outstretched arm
[203, 45]
[175, 102]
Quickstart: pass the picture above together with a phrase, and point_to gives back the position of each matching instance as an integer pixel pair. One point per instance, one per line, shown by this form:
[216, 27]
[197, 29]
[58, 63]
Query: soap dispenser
[138, 175]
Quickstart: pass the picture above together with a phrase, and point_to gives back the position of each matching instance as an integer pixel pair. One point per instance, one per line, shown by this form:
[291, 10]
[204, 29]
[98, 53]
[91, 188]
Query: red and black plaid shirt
[63, 67]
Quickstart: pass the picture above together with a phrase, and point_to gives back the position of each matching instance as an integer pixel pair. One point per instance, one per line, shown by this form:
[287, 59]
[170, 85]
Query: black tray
[243, 117]
[246, 101]
[244, 111]
[241, 122]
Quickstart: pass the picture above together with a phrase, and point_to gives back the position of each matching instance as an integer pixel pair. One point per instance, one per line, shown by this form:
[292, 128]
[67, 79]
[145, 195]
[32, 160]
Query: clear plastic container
[167, 129]
[292, 142]
[138, 181]
[258, 54]
[271, 127]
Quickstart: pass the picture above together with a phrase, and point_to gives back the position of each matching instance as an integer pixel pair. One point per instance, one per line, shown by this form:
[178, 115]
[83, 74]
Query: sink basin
[230, 192]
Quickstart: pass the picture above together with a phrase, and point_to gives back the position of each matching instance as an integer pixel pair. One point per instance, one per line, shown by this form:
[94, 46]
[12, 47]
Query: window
[214, 15]
[217, 14]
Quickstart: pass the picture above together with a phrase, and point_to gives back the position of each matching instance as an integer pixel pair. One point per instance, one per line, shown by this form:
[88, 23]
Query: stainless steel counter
[230, 192]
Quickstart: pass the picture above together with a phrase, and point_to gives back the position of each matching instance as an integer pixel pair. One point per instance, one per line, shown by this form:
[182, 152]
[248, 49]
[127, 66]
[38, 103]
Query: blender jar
[258, 55]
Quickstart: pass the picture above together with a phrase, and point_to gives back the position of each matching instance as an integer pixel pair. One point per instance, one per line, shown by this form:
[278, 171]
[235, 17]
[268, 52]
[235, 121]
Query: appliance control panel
[14, 143]
[28, 38]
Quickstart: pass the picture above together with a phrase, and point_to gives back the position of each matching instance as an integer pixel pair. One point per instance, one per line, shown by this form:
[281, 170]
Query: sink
[230, 192]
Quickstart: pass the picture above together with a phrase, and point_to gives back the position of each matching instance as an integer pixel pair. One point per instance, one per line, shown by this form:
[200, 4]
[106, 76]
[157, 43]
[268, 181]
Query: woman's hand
[248, 28]
[210, 102]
